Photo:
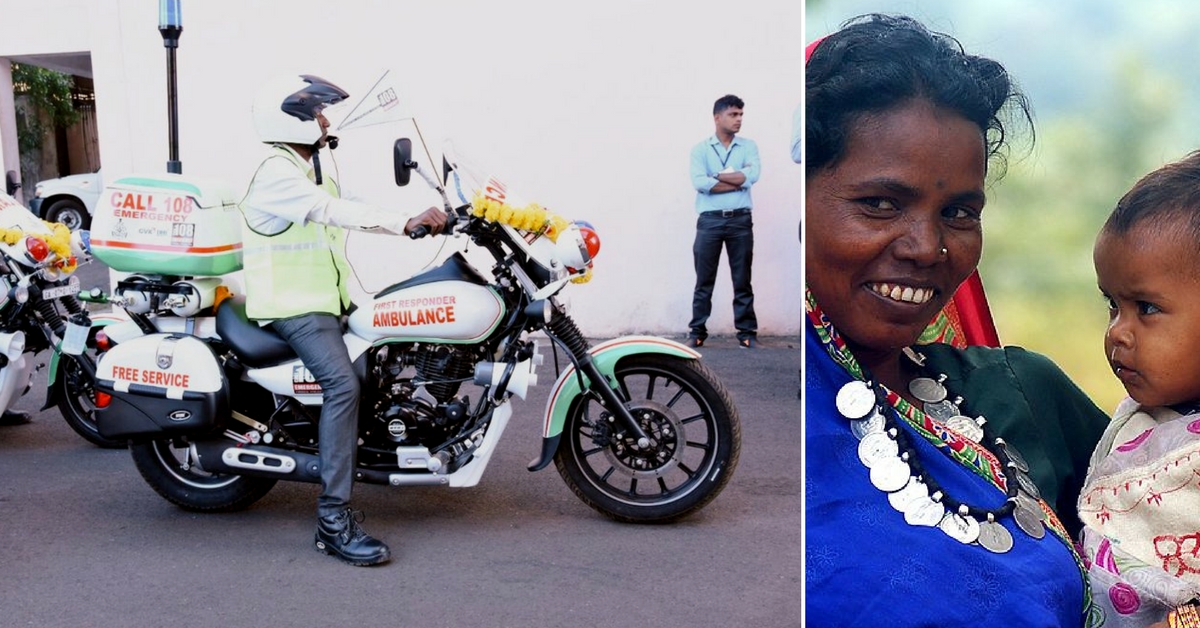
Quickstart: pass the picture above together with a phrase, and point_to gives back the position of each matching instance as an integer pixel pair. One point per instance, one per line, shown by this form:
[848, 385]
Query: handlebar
[451, 215]
[452, 218]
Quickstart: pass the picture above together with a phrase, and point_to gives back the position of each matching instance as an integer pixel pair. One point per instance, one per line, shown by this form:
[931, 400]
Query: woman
[933, 473]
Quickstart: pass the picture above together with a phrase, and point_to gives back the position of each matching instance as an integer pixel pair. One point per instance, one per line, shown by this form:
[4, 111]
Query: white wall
[589, 108]
[9, 155]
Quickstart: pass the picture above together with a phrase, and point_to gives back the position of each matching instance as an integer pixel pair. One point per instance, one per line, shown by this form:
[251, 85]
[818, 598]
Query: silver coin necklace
[894, 468]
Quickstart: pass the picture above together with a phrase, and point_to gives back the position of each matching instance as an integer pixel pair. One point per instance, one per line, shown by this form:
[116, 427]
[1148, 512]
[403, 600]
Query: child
[1140, 503]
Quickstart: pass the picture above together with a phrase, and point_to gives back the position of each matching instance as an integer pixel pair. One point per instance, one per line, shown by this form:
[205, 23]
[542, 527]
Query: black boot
[339, 535]
[15, 417]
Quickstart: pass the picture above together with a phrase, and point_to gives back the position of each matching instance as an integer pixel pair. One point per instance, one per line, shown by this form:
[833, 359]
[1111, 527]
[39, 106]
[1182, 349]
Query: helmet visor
[306, 103]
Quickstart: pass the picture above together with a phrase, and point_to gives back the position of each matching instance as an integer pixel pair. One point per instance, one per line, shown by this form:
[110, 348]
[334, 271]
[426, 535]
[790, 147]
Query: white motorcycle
[218, 409]
[39, 309]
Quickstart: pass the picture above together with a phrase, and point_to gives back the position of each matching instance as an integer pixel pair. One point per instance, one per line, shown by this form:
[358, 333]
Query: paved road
[84, 542]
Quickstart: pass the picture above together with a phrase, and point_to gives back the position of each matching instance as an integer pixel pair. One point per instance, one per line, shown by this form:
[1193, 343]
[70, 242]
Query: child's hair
[1168, 194]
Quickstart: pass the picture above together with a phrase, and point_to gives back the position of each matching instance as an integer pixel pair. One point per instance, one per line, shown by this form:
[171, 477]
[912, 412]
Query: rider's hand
[433, 219]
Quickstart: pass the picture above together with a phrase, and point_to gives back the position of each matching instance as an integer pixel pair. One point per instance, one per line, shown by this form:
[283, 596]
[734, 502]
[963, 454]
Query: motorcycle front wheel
[695, 441]
[77, 402]
[168, 469]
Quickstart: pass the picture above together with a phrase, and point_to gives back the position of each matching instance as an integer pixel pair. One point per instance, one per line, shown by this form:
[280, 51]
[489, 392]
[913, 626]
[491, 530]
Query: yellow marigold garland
[532, 218]
[59, 243]
[584, 278]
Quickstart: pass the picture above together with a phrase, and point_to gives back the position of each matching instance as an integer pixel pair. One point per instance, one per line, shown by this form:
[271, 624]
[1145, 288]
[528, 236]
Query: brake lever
[452, 218]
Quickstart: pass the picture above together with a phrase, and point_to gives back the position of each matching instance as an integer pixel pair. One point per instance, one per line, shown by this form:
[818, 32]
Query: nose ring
[942, 252]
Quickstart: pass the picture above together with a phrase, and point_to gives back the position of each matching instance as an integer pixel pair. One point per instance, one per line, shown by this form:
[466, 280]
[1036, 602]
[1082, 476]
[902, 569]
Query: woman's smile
[902, 293]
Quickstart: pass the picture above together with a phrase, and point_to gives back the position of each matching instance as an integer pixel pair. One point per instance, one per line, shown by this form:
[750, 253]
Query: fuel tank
[452, 304]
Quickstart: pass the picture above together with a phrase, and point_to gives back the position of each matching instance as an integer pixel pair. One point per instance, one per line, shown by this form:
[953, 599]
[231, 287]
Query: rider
[294, 236]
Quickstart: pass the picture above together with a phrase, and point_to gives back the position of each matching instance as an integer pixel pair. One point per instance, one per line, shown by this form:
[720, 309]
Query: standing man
[294, 239]
[724, 167]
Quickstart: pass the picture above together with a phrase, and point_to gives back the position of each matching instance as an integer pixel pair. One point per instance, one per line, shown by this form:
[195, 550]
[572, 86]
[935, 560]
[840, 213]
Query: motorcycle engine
[416, 402]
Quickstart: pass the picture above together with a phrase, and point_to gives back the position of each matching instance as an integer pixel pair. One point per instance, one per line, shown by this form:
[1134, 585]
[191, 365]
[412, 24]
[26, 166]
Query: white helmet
[285, 108]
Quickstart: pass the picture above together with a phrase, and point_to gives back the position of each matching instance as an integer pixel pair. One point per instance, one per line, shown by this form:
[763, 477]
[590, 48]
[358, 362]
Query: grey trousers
[317, 339]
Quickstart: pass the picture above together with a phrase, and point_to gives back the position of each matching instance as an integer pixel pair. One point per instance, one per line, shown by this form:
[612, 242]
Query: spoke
[650, 387]
[704, 446]
[633, 486]
[686, 471]
[624, 388]
[589, 452]
[607, 474]
[662, 484]
[693, 418]
[675, 399]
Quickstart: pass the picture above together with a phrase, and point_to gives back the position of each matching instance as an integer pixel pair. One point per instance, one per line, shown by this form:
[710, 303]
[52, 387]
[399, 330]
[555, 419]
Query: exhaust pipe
[221, 456]
[268, 462]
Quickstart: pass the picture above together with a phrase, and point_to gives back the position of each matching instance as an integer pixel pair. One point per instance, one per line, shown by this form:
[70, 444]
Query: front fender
[98, 321]
[605, 355]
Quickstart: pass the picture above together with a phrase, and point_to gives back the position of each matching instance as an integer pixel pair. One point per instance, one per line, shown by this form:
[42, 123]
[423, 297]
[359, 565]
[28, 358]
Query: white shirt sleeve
[280, 194]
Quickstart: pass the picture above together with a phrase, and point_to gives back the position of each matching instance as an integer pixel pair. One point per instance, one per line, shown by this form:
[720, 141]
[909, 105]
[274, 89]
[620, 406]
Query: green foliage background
[1115, 94]
[49, 95]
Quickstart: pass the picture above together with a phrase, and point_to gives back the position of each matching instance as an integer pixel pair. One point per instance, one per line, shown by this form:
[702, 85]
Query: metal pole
[173, 163]
[170, 25]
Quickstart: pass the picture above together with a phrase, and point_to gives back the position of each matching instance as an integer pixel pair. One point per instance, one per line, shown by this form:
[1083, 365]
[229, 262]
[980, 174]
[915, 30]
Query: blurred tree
[47, 92]
[1042, 220]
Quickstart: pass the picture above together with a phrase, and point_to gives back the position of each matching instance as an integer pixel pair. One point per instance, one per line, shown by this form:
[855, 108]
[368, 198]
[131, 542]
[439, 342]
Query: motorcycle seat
[256, 346]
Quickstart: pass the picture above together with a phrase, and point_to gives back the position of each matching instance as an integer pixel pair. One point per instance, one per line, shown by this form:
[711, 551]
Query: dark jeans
[317, 339]
[736, 234]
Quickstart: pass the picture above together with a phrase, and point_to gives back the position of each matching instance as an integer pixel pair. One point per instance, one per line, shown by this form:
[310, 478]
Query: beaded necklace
[874, 420]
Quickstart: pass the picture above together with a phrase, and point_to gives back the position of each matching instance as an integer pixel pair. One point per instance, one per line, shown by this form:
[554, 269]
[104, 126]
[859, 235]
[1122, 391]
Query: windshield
[384, 102]
[467, 182]
[380, 103]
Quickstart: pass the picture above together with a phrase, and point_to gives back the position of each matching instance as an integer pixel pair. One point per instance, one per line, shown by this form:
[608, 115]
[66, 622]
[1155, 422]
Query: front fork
[599, 365]
[563, 329]
[612, 400]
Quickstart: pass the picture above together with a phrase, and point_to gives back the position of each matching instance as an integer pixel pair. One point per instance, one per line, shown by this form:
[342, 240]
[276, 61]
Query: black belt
[729, 213]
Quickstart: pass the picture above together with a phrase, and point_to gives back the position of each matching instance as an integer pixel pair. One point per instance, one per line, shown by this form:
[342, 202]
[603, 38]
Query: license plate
[57, 292]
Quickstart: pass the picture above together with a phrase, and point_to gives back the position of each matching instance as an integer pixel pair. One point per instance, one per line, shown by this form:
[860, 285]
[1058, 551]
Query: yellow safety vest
[299, 270]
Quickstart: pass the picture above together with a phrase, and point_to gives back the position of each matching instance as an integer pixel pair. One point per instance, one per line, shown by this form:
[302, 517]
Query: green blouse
[1029, 402]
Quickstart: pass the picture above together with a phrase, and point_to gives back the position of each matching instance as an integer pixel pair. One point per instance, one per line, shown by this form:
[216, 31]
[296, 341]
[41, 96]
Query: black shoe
[748, 343]
[695, 341]
[339, 535]
[15, 417]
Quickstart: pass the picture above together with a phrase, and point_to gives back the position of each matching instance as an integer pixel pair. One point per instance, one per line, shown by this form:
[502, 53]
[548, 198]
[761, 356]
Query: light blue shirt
[798, 133]
[710, 157]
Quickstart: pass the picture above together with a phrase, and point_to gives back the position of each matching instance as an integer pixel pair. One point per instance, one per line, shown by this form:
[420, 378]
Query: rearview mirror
[402, 161]
[11, 184]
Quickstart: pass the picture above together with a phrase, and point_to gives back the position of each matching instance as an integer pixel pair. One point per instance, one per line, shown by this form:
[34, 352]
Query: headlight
[571, 250]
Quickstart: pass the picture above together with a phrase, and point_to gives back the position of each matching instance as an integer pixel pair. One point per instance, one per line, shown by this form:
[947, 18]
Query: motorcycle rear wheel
[77, 403]
[167, 469]
[695, 435]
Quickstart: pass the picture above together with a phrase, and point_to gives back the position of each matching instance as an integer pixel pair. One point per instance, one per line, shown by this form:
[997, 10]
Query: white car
[70, 200]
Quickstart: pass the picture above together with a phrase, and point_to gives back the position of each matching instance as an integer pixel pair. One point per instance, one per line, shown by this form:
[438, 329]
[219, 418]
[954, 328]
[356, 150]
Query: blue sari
[866, 567]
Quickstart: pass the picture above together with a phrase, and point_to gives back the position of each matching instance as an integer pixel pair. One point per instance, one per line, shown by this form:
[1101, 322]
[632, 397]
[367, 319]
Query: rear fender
[606, 356]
